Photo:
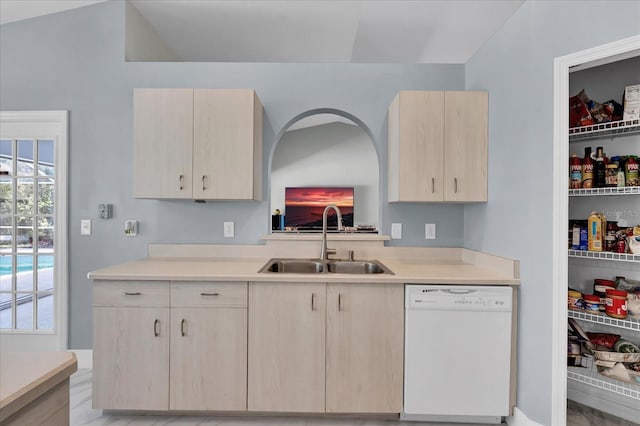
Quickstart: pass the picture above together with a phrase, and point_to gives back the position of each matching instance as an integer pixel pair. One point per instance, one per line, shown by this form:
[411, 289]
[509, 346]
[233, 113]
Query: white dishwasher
[457, 353]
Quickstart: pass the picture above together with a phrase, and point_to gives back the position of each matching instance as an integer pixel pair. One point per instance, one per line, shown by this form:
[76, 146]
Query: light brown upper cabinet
[197, 144]
[437, 148]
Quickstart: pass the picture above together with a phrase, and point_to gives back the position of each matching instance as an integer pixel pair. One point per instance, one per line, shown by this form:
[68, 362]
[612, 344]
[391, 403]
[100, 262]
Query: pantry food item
[627, 285]
[611, 175]
[587, 169]
[626, 347]
[574, 301]
[616, 303]
[575, 172]
[595, 232]
[600, 287]
[579, 114]
[603, 339]
[633, 305]
[591, 303]
[631, 101]
[631, 171]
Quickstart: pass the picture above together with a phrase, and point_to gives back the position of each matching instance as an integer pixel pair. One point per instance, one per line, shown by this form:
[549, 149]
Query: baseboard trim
[85, 357]
[520, 419]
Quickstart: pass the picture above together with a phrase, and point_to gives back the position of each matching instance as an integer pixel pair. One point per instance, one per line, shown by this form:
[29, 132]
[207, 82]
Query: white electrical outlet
[228, 230]
[430, 231]
[130, 228]
[85, 227]
[396, 231]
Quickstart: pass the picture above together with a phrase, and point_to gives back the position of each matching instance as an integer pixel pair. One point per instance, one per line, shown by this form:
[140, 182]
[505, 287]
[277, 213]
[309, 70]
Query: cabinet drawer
[209, 294]
[131, 293]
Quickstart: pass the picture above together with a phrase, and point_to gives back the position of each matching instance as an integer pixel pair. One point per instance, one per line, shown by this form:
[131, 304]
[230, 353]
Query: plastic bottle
[575, 172]
[587, 169]
[594, 232]
[631, 171]
[599, 169]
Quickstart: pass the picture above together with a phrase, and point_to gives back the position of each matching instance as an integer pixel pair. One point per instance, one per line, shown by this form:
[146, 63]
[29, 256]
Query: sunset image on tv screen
[304, 206]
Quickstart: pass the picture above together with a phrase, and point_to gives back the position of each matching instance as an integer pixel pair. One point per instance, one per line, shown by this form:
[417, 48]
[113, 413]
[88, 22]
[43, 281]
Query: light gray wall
[516, 67]
[74, 61]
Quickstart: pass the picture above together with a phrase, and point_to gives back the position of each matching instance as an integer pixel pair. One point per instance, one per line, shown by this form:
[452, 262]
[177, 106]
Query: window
[33, 227]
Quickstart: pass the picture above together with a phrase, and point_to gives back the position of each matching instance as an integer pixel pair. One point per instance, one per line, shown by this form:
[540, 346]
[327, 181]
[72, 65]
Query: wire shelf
[586, 192]
[605, 255]
[613, 128]
[605, 320]
[589, 376]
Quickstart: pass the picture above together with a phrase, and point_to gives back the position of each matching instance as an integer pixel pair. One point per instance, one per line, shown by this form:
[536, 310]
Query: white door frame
[41, 125]
[598, 55]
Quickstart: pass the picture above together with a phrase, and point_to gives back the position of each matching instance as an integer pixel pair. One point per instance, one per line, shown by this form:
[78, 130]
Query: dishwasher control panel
[458, 298]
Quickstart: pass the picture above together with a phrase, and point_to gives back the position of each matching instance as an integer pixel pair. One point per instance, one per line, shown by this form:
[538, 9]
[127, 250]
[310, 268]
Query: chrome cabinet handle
[455, 183]
[433, 185]
[203, 185]
[182, 327]
[181, 182]
[131, 293]
[209, 294]
[339, 302]
[156, 328]
[313, 302]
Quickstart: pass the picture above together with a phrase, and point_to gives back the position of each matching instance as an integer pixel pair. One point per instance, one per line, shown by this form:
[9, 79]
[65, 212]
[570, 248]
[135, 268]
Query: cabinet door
[208, 359]
[465, 146]
[130, 358]
[227, 144]
[286, 347]
[364, 348]
[163, 143]
[415, 168]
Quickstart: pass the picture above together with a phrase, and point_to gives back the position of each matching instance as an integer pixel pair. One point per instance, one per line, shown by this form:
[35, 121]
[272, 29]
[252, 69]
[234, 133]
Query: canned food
[574, 300]
[616, 303]
[592, 303]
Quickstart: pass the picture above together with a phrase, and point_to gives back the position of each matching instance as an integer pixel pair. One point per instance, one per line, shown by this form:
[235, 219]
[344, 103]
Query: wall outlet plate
[228, 230]
[85, 227]
[430, 231]
[396, 231]
[131, 228]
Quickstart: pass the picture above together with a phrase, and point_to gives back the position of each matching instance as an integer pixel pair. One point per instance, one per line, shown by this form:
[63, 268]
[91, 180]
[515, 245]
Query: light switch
[105, 211]
[130, 228]
[430, 231]
[228, 230]
[85, 227]
[396, 231]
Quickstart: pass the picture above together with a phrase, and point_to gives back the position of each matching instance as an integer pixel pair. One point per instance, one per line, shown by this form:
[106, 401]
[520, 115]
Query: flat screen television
[304, 207]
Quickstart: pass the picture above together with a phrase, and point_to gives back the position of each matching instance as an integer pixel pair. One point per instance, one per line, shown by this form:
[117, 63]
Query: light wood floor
[83, 414]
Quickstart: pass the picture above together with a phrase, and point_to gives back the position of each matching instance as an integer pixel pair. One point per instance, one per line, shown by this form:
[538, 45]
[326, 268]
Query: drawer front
[131, 293]
[209, 294]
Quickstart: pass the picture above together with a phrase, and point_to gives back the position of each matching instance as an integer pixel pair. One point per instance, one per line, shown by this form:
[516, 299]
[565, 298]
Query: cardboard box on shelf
[631, 102]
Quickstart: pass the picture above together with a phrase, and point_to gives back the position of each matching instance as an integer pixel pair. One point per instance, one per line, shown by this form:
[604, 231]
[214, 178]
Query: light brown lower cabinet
[354, 365]
[365, 347]
[286, 347]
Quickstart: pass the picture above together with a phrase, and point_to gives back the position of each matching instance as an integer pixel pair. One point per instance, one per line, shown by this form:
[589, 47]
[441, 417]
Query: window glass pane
[45, 196]
[6, 310]
[6, 269]
[25, 158]
[6, 156]
[45, 312]
[24, 238]
[6, 237]
[24, 276]
[45, 158]
[24, 311]
[45, 234]
[6, 197]
[45, 272]
[24, 197]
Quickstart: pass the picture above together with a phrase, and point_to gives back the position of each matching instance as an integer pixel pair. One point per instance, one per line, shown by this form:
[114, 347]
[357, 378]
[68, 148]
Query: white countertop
[437, 271]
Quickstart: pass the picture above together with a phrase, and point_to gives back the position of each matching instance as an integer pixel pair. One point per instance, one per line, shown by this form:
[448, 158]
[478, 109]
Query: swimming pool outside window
[27, 219]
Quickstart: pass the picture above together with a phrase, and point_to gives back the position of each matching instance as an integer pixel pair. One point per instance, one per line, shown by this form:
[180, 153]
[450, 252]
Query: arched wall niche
[327, 148]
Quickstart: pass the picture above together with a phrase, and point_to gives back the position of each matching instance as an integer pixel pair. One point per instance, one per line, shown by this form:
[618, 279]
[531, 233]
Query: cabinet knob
[339, 302]
[203, 183]
[455, 185]
[313, 302]
[156, 328]
[433, 185]
[209, 294]
[131, 293]
[182, 333]
[181, 182]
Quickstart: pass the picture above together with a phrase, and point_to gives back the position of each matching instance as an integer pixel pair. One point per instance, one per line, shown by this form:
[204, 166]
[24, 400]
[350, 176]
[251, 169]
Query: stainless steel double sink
[315, 266]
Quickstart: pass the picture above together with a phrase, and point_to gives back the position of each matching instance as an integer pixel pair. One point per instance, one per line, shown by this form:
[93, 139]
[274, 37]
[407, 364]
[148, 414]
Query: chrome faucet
[324, 251]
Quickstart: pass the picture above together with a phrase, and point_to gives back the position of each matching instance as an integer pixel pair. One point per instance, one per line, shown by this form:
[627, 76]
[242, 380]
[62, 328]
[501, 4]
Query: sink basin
[357, 267]
[294, 266]
[315, 266]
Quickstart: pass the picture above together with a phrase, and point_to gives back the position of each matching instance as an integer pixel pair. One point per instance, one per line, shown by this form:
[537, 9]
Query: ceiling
[380, 31]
